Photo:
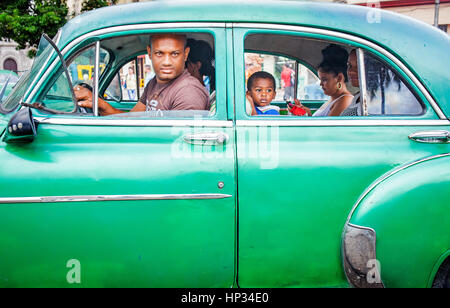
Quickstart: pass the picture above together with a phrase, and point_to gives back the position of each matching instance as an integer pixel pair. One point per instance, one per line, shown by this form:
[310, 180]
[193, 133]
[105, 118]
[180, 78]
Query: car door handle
[207, 138]
[431, 136]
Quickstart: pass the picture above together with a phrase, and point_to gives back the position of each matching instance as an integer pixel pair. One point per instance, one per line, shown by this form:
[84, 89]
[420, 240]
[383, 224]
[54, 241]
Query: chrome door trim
[118, 29]
[362, 80]
[355, 39]
[99, 121]
[90, 198]
[206, 138]
[431, 136]
[387, 175]
[96, 79]
[357, 121]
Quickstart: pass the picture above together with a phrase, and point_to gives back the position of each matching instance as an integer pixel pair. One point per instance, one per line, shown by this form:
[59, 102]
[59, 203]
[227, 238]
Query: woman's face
[329, 82]
[194, 69]
[352, 69]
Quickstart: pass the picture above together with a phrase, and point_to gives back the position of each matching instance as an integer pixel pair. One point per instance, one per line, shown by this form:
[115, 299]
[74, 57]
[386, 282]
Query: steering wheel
[85, 109]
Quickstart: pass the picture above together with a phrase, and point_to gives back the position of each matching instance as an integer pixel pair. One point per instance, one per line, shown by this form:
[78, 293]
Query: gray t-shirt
[183, 93]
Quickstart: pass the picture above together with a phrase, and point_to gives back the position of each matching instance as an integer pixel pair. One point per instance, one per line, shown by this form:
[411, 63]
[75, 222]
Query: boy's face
[262, 91]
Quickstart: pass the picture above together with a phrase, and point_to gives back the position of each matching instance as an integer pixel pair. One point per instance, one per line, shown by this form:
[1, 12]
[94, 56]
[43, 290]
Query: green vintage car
[220, 198]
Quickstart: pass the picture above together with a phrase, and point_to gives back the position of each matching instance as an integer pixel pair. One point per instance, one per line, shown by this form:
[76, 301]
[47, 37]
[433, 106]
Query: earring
[339, 86]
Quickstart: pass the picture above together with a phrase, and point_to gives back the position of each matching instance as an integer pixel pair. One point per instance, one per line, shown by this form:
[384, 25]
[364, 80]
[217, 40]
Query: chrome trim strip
[362, 80]
[96, 78]
[387, 175]
[99, 121]
[89, 198]
[357, 121]
[152, 26]
[355, 39]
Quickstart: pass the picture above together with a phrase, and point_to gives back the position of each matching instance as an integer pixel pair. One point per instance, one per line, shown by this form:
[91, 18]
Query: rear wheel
[442, 279]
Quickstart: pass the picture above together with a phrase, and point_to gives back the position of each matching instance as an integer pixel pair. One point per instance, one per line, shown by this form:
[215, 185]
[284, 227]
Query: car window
[11, 78]
[131, 79]
[295, 61]
[288, 74]
[43, 55]
[293, 79]
[81, 70]
[387, 94]
[130, 75]
[126, 68]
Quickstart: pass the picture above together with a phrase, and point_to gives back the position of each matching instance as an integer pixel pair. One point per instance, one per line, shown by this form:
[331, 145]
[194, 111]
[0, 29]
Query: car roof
[424, 49]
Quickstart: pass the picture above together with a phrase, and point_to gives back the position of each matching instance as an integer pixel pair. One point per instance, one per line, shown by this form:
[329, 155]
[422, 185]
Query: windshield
[44, 52]
[12, 78]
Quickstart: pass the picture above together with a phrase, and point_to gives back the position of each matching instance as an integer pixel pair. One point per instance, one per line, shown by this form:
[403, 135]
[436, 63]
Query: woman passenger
[354, 108]
[333, 75]
[199, 62]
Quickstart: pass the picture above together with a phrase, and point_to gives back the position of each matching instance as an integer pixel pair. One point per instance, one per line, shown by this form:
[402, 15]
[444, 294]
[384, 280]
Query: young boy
[260, 92]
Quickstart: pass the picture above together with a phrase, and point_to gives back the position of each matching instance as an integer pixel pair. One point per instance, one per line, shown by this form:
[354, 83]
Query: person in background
[149, 74]
[130, 83]
[287, 78]
[199, 63]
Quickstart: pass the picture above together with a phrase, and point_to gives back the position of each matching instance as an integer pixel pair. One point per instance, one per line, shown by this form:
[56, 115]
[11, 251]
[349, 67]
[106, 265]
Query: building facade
[423, 10]
[12, 59]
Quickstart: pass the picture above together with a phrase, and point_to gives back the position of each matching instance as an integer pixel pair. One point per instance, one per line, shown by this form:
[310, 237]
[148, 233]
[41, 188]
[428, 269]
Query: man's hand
[83, 96]
[84, 99]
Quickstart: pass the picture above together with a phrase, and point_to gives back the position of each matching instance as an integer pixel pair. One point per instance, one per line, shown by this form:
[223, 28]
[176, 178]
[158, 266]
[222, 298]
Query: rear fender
[409, 209]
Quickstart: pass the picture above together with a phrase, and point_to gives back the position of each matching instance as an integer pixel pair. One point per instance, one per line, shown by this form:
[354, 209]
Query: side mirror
[21, 128]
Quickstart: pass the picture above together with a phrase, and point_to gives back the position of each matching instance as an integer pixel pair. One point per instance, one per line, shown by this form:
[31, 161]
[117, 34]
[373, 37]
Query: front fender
[409, 209]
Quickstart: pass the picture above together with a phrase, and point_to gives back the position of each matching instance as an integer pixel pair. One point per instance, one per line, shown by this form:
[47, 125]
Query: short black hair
[182, 36]
[261, 74]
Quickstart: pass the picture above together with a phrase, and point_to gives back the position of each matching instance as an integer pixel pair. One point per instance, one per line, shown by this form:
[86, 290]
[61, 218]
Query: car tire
[442, 279]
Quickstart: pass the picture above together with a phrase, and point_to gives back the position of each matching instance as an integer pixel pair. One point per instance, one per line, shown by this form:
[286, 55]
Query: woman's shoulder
[345, 98]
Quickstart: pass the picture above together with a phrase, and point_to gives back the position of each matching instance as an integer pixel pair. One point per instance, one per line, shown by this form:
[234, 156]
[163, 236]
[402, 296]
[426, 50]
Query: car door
[120, 201]
[299, 177]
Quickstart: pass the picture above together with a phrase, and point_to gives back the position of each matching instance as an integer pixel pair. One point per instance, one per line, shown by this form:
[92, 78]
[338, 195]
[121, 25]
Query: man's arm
[84, 99]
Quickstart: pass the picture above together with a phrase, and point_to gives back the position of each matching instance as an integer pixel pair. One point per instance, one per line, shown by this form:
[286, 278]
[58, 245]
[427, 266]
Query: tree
[24, 21]
[94, 4]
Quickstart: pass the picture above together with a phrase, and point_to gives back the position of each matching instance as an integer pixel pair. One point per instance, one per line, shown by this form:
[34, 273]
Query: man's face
[168, 57]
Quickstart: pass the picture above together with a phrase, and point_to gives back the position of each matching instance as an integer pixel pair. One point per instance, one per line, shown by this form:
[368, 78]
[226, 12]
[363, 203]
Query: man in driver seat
[172, 88]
